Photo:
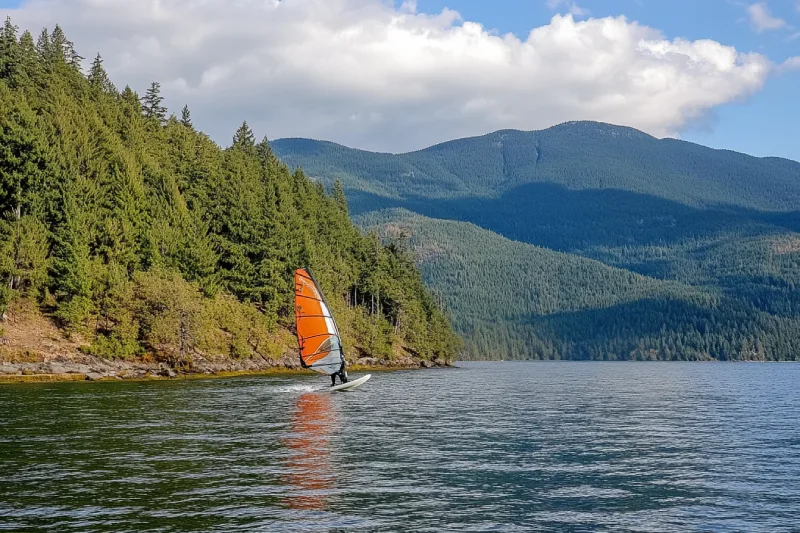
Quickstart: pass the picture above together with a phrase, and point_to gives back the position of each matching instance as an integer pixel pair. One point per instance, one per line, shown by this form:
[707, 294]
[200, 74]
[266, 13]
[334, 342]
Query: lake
[552, 446]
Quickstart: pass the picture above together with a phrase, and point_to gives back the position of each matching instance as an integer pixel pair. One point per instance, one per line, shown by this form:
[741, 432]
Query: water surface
[483, 447]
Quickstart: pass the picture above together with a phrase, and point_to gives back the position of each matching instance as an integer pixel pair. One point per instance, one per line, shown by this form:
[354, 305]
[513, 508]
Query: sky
[399, 76]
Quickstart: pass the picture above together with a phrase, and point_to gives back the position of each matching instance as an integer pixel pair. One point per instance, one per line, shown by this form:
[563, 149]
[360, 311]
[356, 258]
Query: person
[342, 373]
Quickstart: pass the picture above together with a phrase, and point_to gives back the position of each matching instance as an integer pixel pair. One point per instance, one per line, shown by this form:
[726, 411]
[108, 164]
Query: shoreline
[34, 350]
[72, 375]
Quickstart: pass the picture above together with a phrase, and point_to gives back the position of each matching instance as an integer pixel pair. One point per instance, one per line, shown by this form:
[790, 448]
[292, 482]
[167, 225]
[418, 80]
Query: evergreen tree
[244, 139]
[29, 69]
[130, 97]
[55, 49]
[43, 46]
[151, 104]
[98, 78]
[9, 49]
[186, 117]
[338, 196]
[266, 155]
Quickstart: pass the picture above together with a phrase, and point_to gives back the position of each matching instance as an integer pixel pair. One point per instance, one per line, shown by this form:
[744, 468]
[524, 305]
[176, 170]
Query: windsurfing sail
[317, 334]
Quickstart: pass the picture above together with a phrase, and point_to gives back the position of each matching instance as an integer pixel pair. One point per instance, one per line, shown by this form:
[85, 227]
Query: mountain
[512, 300]
[576, 155]
[716, 222]
[142, 239]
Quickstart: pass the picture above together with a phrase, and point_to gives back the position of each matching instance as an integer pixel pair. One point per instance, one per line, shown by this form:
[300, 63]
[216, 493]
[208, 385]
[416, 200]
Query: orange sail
[317, 334]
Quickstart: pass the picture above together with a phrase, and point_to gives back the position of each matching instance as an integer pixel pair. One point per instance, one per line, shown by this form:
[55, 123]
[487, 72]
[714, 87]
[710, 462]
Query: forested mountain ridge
[576, 155]
[714, 221]
[141, 237]
[512, 300]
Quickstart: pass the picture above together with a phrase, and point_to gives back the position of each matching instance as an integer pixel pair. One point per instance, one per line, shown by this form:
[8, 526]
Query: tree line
[138, 233]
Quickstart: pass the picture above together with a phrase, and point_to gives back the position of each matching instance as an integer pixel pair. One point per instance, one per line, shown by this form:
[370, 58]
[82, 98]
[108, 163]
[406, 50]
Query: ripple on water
[546, 447]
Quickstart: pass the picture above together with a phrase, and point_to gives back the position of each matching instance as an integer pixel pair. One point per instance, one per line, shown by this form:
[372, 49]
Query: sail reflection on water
[311, 475]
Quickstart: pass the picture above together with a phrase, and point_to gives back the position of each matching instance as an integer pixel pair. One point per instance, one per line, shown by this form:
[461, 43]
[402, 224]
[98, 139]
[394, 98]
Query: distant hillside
[577, 155]
[516, 301]
[714, 221]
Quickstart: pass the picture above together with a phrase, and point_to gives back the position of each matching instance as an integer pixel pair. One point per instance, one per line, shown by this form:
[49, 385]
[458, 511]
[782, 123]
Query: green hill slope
[142, 237]
[721, 222]
[516, 301]
[577, 155]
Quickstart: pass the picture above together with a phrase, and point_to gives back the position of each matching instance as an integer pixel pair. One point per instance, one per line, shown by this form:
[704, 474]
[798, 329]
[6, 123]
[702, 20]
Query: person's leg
[333, 380]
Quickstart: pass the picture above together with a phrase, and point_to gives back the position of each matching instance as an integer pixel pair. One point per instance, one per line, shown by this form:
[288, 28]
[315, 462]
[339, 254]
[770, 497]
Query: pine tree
[64, 49]
[265, 154]
[151, 104]
[186, 117]
[339, 196]
[244, 139]
[98, 78]
[130, 97]
[43, 46]
[29, 69]
[9, 49]
[21, 153]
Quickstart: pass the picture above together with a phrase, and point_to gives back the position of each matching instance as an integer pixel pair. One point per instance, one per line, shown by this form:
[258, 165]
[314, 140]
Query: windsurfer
[342, 373]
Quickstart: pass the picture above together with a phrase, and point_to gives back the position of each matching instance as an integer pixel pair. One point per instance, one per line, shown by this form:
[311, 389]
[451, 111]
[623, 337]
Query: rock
[56, 368]
[166, 371]
[367, 361]
[27, 372]
[425, 364]
[94, 376]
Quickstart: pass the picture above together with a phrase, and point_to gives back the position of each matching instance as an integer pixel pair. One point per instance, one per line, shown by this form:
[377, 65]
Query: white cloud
[762, 20]
[366, 74]
[572, 7]
[793, 63]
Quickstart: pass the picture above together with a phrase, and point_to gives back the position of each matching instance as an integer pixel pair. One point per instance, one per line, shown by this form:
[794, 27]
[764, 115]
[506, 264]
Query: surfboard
[350, 385]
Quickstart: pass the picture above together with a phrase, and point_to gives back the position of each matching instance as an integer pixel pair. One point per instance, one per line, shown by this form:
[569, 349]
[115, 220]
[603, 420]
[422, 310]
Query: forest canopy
[139, 234]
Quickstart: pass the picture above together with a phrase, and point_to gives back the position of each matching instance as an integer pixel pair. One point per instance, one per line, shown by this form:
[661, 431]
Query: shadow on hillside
[674, 329]
[770, 294]
[568, 220]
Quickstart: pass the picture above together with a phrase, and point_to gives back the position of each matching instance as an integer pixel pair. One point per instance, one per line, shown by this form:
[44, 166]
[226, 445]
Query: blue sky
[763, 124]
[767, 124]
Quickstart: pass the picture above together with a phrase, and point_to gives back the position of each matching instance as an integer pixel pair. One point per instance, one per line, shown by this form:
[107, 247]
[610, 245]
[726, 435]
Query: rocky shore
[82, 368]
[32, 349]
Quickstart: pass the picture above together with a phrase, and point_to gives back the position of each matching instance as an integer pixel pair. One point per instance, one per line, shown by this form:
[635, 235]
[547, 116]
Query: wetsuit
[342, 373]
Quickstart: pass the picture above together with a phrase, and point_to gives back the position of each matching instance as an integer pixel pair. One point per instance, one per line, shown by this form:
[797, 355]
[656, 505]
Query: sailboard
[317, 334]
[351, 385]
